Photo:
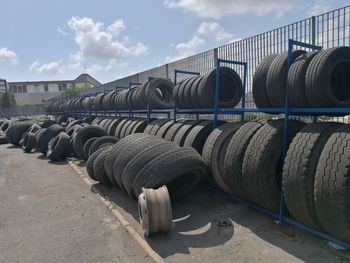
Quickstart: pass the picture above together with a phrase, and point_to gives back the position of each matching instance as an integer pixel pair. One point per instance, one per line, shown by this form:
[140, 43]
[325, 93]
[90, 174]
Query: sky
[111, 39]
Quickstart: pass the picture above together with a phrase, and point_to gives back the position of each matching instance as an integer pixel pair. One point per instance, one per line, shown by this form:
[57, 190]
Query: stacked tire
[199, 92]
[142, 160]
[315, 79]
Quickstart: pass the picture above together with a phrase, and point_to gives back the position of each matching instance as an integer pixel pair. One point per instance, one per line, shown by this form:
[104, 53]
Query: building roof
[82, 78]
[86, 78]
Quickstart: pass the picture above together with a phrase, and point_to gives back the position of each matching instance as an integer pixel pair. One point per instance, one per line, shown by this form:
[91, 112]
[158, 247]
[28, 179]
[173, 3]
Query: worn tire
[296, 80]
[57, 147]
[327, 78]
[276, 80]
[96, 144]
[299, 170]
[188, 170]
[115, 151]
[261, 170]
[99, 169]
[332, 185]
[260, 97]
[83, 135]
[91, 160]
[233, 161]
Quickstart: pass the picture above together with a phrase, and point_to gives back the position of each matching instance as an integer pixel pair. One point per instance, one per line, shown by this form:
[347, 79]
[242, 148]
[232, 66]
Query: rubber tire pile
[315, 79]
[157, 93]
[141, 160]
[199, 91]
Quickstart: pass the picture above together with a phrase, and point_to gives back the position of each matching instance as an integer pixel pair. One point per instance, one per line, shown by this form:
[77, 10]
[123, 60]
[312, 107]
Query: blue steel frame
[287, 111]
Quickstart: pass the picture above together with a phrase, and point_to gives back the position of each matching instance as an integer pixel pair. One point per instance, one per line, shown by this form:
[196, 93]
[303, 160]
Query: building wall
[34, 98]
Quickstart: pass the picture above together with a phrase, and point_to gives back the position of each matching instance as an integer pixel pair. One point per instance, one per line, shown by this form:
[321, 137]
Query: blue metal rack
[216, 111]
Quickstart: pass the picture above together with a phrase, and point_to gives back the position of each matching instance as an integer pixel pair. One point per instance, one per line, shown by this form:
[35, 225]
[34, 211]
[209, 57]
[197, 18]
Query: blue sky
[109, 39]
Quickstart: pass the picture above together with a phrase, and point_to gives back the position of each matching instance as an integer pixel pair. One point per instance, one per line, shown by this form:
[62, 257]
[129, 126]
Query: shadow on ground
[195, 226]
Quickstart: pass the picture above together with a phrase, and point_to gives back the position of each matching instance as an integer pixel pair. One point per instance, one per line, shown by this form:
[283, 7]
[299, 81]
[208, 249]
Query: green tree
[7, 100]
[74, 90]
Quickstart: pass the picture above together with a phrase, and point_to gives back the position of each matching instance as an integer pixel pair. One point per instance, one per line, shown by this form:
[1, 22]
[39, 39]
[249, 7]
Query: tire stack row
[199, 91]
[315, 79]
[157, 93]
[190, 133]
[141, 160]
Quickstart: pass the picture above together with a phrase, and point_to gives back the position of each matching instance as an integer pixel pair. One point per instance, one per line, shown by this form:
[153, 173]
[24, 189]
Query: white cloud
[51, 68]
[96, 42]
[8, 55]
[187, 48]
[213, 29]
[220, 8]
[319, 7]
[117, 27]
[62, 31]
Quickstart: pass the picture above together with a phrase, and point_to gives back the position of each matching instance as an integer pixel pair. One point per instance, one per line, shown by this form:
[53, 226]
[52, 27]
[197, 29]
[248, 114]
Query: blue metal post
[217, 92]
[174, 107]
[245, 68]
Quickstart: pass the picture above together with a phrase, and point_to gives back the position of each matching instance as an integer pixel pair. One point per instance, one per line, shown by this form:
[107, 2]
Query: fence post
[167, 71]
[313, 30]
[215, 56]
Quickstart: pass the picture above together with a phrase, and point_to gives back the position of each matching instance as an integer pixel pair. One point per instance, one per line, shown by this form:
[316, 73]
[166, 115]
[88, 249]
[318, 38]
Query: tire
[164, 128]
[46, 136]
[327, 79]
[276, 80]
[99, 141]
[119, 128]
[296, 80]
[187, 93]
[260, 97]
[332, 185]
[57, 147]
[299, 170]
[218, 155]
[233, 161]
[5, 126]
[113, 126]
[150, 126]
[138, 161]
[198, 135]
[261, 170]
[83, 135]
[15, 132]
[185, 129]
[128, 131]
[113, 154]
[159, 93]
[157, 125]
[195, 103]
[231, 89]
[91, 160]
[86, 147]
[184, 90]
[125, 127]
[139, 127]
[188, 170]
[99, 169]
[127, 153]
[29, 142]
[176, 94]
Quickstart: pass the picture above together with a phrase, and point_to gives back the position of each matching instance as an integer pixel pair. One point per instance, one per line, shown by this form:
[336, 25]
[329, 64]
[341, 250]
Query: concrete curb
[154, 255]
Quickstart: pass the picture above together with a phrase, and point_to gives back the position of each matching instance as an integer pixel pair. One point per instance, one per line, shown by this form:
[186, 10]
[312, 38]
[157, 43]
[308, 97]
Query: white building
[36, 92]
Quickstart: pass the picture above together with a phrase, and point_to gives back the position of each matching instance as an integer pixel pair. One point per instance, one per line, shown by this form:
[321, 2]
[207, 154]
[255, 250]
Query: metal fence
[327, 30]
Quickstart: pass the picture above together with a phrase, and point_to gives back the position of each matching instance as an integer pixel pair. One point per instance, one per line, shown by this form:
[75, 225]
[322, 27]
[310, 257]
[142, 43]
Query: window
[11, 89]
[36, 88]
[24, 88]
[64, 87]
[19, 89]
[46, 87]
[60, 87]
[14, 89]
